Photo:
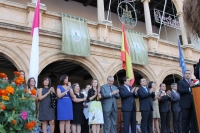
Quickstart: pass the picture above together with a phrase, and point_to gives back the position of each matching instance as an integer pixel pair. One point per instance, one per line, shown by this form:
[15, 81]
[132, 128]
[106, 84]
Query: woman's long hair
[24, 84]
[49, 85]
[73, 87]
[97, 84]
[191, 11]
[150, 84]
[28, 83]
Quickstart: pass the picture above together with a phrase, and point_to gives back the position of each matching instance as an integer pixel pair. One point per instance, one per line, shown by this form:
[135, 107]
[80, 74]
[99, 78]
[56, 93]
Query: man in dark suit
[187, 104]
[196, 70]
[164, 108]
[110, 94]
[145, 96]
[175, 97]
[127, 94]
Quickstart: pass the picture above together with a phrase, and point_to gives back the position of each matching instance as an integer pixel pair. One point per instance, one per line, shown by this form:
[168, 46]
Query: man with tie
[164, 108]
[110, 94]
[187, 104]
[145, 96]
[127, 94]
[176, 110]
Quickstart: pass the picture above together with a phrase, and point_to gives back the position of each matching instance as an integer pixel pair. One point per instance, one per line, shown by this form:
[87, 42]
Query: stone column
[100, 10]
[34, 1]
[147, 17]
[31, 9]
[183, 31]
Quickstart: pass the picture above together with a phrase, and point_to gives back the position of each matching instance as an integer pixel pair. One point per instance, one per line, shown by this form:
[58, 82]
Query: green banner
[138, 51]
[75, 36]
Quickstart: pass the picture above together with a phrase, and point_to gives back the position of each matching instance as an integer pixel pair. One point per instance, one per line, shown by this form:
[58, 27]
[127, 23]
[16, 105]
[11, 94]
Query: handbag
[53, 100]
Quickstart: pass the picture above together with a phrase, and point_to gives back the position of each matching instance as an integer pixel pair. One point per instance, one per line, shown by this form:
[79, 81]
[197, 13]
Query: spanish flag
[126, 58]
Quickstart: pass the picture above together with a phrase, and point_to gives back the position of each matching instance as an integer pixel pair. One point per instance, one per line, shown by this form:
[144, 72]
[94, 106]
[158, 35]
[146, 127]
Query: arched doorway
[172, 78]
[118, 82]
[76, 73]
[122, 73]
[6, 66]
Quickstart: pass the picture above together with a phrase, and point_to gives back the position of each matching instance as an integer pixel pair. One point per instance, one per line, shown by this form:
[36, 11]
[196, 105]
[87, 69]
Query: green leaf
[10, 118]
[2, 130]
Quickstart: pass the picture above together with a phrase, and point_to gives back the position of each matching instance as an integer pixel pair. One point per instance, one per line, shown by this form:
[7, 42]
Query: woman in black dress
[77, 109]
[46, 112]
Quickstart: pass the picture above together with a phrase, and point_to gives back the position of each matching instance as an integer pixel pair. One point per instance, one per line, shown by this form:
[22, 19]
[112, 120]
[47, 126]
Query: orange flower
[3, 107]
[26, 90]
[10, 90]
[17, 73]
[30, 125]
[3, 92]
[5, 98]
[33, 92]
[19, 80]
[3, 75]
[13, 122]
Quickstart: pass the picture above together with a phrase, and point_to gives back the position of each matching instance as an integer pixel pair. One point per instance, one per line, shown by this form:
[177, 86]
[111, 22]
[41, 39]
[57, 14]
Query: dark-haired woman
[95, 108]
[32, 90]
[46, 112]
[77, 109]
[156, 114]
[22, 74]
[64, 106]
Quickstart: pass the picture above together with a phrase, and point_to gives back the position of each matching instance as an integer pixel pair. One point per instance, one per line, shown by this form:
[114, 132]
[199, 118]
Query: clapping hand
[169, 93]
[133, 89]
[52, 89]
[115, 92]
[69, 84]
[136, 89]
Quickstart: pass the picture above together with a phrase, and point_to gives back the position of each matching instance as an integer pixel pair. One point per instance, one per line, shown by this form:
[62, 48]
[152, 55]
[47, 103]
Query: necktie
[146, 89]
[128, 88]
[110, 89]
[189, 82]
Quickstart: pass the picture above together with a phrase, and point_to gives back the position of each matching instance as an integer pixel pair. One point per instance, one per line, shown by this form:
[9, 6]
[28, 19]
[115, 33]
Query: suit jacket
[107, 99]
[145, 99]
[127, 98]
[196, 70]
[164, 104]
[175, 101]
[186, 99]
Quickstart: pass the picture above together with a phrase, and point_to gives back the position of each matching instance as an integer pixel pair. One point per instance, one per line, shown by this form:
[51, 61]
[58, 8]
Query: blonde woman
[95, 108]
[156, 113]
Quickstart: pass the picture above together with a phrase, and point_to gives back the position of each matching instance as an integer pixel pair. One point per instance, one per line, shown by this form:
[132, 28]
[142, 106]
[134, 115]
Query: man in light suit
[187, 104]
[176, 110]
[110, 94]
[145, 96]
[127, 94]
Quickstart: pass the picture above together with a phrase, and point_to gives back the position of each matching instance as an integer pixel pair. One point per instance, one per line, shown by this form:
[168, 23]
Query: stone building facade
[15, 43]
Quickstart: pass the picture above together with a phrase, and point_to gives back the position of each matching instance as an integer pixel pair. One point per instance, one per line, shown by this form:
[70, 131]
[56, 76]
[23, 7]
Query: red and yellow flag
[126, 57]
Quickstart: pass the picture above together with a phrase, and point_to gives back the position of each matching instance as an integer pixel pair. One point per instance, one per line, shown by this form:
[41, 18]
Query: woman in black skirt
[77, 109]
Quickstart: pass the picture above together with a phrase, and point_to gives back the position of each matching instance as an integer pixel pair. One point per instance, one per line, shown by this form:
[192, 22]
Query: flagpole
[34, 56]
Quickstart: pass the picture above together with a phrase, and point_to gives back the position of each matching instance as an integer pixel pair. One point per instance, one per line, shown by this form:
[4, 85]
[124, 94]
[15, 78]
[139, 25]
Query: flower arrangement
[16, 111]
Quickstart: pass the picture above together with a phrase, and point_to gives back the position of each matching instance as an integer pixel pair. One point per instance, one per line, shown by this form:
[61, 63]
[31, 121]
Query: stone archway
[144, 71]
[7, 67]
[176, 72]
[14, 57]
[86, 63]
[178, 4]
